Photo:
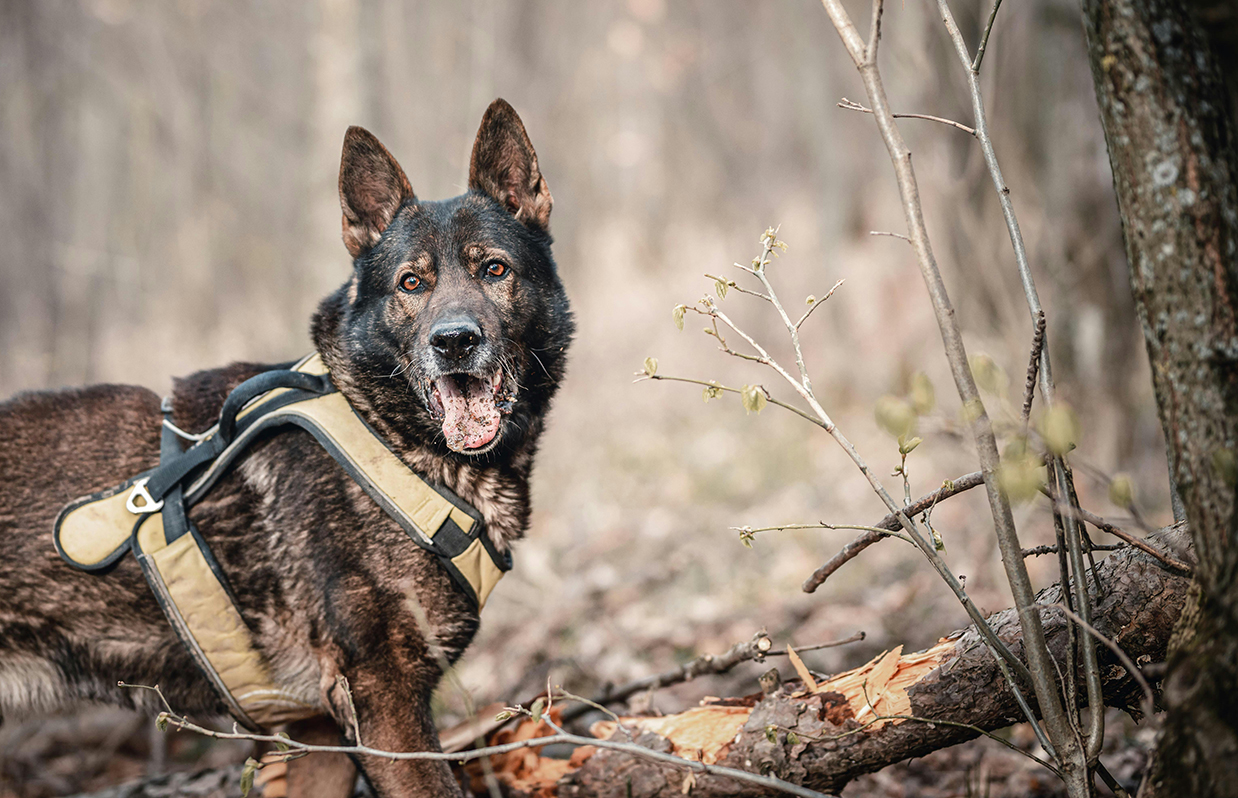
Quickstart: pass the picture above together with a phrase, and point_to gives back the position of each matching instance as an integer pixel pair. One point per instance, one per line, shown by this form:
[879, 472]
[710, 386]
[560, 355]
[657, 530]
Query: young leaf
[651, 366]
[1122, 490]
[906, 447]
[753, 398]
[1059, 427]
[988, 375]
[894, 415]
[677, 315]
[720, 288]
[536, 709]
[923, 397]
[247, 776]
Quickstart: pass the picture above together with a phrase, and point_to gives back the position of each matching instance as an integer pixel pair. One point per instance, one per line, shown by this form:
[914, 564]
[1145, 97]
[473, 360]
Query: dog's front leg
[392, 714]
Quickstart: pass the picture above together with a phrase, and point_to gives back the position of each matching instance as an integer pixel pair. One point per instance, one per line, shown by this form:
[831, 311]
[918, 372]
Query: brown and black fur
[328, 584]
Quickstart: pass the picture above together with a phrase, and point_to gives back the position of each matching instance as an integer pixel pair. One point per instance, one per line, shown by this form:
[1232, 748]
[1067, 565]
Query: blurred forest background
[168, 203]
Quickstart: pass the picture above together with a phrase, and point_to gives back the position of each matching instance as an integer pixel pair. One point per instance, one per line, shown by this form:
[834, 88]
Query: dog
[449, 339]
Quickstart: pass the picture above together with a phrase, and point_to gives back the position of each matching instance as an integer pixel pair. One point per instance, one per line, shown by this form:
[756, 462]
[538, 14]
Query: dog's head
[455, 323]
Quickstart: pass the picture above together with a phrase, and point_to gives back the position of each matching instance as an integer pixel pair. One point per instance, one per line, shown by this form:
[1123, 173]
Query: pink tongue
[470, 418]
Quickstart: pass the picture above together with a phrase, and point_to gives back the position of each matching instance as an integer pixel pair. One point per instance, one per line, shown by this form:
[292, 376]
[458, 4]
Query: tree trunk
[1169, 127]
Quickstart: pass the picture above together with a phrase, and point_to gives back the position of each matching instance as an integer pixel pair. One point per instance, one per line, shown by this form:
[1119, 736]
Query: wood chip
[810, 684]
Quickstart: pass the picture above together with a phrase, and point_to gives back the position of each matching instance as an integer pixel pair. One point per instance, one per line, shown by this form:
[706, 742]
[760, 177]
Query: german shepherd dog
[449, 339]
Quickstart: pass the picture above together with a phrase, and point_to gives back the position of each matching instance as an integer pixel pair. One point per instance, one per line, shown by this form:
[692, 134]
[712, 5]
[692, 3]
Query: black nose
[455, 338]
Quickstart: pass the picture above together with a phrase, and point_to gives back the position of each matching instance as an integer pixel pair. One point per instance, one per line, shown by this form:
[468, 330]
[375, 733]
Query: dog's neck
[497, 486]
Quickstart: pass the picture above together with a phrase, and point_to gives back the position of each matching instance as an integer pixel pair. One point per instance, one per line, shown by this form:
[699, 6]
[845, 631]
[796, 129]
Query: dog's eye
[410, 283]
[496, 269]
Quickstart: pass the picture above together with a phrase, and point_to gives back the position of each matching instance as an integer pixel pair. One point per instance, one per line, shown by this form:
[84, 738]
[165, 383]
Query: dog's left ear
[372, 188]
[504, 166]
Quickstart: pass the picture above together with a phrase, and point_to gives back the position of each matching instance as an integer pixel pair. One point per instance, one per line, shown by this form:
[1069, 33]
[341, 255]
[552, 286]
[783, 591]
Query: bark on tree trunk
[1169, 128]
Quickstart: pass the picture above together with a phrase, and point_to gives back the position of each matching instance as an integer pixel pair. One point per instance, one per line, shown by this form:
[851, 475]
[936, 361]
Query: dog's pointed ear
[504, 166]
[372, 187]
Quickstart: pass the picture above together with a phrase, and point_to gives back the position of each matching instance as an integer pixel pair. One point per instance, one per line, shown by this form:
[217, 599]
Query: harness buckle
[148, 505]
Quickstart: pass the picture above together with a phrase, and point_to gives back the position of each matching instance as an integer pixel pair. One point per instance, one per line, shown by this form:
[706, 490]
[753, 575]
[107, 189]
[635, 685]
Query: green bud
[895, 415]
[161, 721]
[771, 734]
[906, 447]
[1021, 478]
[536, 709]
[503, 716]
[988, 375]
[1059, 427]
[753, 398]
[923, 397]
[247, 776]
[1122, 490]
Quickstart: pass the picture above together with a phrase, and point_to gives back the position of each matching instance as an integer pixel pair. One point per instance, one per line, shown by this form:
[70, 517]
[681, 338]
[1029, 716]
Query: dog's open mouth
[471, 409]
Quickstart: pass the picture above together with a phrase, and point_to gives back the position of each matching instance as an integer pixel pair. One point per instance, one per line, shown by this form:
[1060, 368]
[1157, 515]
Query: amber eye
[496, 269]
[410, 282]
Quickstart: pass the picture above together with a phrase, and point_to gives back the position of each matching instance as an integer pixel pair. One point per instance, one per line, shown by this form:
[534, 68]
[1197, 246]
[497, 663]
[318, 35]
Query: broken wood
[895, 707]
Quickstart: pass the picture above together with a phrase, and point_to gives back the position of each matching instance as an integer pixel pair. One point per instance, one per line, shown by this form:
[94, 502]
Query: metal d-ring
[149, 505]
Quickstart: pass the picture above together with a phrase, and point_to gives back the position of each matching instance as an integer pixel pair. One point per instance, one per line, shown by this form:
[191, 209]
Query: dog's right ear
[372, 187]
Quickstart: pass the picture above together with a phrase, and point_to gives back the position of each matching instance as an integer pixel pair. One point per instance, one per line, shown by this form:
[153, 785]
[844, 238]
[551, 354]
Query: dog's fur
[328, 584]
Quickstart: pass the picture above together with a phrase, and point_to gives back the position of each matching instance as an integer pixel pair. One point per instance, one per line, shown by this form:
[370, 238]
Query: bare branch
[891, 235]
[890, 522]
[984, 39]
[756, 649]
[818, 304]
[851, 105]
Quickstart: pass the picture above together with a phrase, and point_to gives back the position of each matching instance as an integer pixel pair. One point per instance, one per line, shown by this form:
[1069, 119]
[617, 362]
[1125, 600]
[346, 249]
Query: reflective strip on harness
[94, 532]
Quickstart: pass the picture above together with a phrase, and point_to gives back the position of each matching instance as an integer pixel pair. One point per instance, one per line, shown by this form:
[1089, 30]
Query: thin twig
[984, 39]
[756, 649]
[1105, 526]
[728, 389]
[732, 285]
[851, 105]
[818, 303]
[887, 524]
[1037, 551]
[891, 235]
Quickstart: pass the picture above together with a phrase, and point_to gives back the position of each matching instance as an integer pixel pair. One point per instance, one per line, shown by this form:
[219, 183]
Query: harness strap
[147, 514]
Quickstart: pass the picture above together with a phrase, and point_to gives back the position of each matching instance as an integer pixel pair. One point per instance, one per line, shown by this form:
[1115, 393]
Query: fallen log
[826, 737]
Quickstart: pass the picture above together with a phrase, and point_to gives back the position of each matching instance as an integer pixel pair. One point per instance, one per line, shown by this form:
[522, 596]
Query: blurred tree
[1160, 80]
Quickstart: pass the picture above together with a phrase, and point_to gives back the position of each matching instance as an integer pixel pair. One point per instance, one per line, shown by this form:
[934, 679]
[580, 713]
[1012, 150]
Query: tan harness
[146, 514]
